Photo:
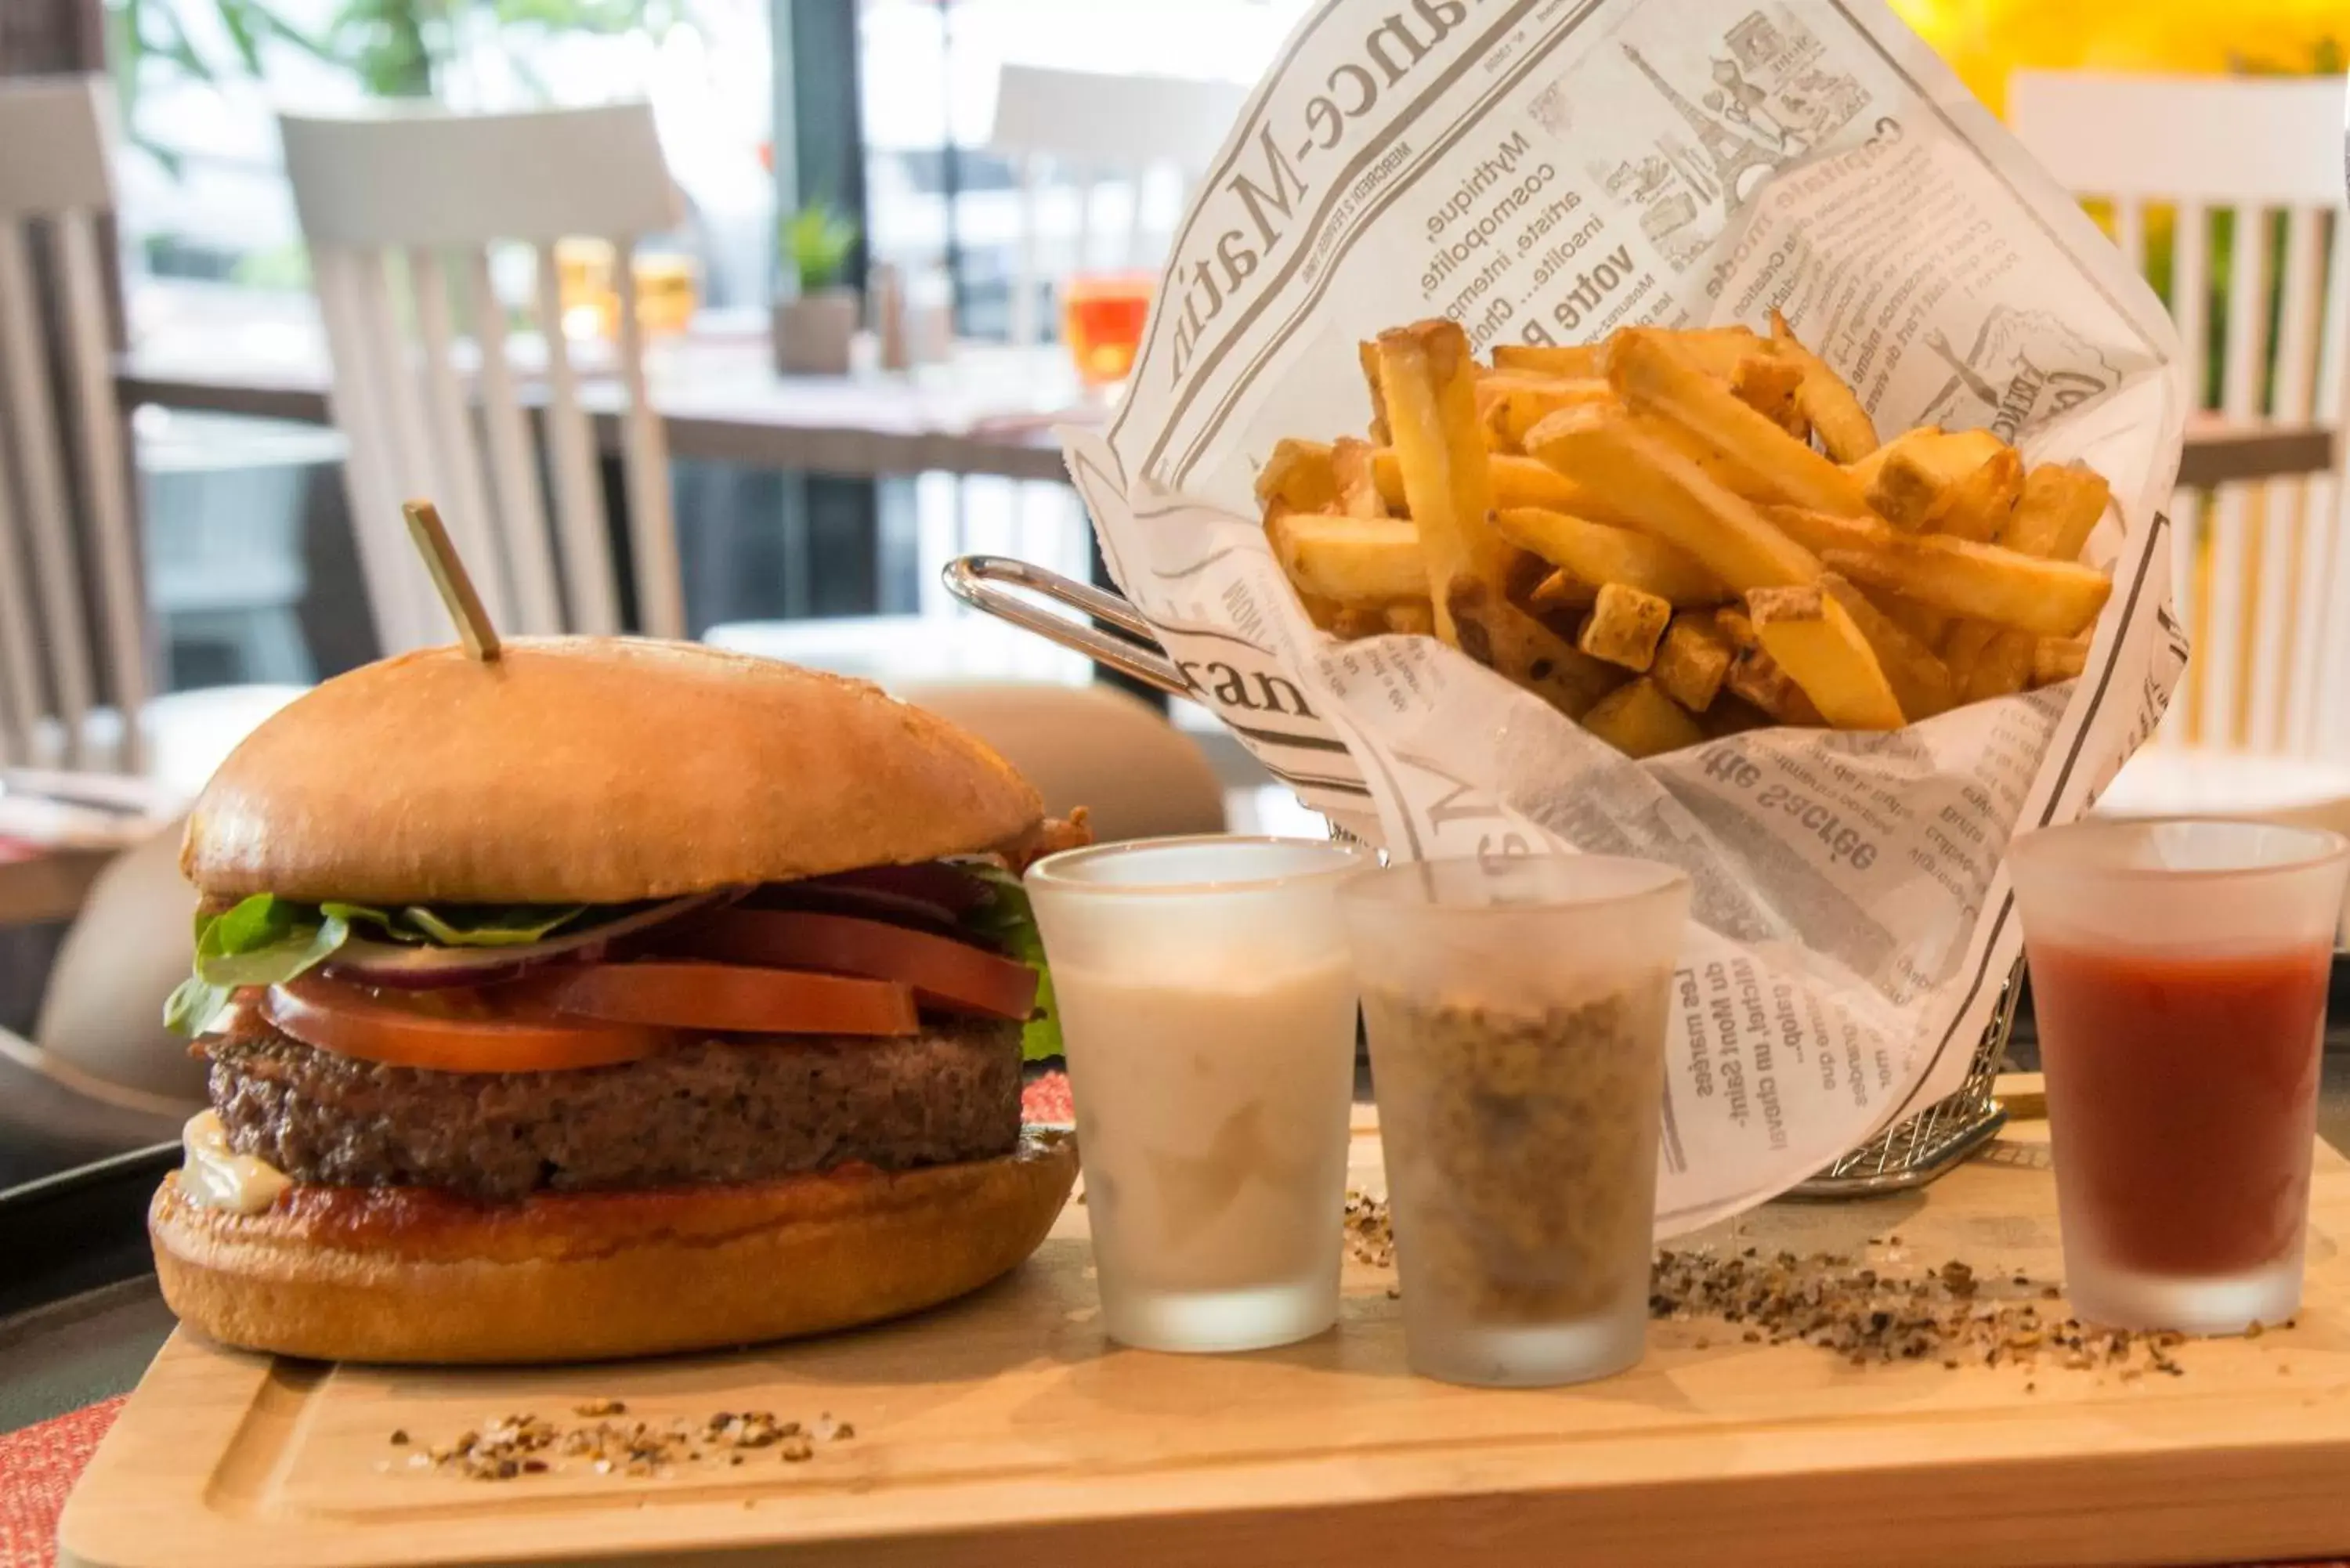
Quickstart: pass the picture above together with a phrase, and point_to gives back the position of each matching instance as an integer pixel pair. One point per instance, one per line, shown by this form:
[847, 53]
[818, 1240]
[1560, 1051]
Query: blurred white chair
[402, 209]
[2263, 571]
[57, 666]
[1133, 147]
[67, 532]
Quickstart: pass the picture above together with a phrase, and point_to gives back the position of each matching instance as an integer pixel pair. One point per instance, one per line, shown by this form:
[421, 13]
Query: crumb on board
[504, 1448]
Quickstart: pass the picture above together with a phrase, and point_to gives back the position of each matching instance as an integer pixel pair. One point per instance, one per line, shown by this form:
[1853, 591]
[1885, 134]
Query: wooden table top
[990, 412]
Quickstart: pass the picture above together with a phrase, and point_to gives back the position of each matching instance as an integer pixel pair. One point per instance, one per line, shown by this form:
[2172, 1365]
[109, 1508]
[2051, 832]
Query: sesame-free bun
[589, 771]
[414, 1275]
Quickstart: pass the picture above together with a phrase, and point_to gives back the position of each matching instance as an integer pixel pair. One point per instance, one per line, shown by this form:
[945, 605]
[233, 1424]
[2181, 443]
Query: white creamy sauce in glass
[214, 1176]
[1202, 1119]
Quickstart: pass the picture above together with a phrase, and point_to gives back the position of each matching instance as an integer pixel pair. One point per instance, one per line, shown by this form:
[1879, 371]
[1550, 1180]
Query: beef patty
[712, 1111]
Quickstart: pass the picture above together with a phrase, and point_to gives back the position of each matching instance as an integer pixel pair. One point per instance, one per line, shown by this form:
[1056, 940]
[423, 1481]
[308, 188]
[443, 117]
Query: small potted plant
[813, 328]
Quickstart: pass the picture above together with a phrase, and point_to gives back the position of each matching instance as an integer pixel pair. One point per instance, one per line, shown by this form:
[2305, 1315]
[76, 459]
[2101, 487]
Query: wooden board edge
[157, 1471]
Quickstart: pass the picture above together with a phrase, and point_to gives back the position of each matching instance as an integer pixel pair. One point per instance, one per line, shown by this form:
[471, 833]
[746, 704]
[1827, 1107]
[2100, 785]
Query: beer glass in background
[2178, 984]
[1207, 1013]
[1517, 1009]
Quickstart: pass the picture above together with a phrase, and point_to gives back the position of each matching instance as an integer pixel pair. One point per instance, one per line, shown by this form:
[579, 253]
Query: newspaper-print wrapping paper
[1547, 170]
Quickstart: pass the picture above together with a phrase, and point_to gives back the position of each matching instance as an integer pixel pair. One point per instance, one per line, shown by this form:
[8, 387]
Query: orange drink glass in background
[666, 289]
[667, 292]
[1102, 318]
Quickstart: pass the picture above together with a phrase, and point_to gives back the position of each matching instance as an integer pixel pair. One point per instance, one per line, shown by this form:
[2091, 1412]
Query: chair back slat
[589, 580]
[20, 654]
[461, 494]
[2129, 231]
[423, 185]
[106, 480]
[37, 446]
[2302, 608]
[644, 449]
[514, 465]
[385, 558]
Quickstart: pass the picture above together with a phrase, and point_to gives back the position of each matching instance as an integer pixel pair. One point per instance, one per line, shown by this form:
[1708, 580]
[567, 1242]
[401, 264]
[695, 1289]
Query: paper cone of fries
[1689, 429]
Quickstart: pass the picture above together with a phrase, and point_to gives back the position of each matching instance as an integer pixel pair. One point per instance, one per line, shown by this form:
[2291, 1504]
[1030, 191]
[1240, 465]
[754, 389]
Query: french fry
[1983, 582]
[1653, 374]
[1691, 660]
[1413, 618]
[1714, 352]
[1944, 456]
[1577, 359]
[1350, 622]
[1640, 720]
[1366, 354]
[1920, 682]
[2054, 517]
[1504, 639]
[1812, 637]
[1819, 532]
[1711, 460]
[1624, 626]
[1843, 425]
[1512, 402]
[1349, 560]
[1297, 474]
[1669, 497]
[1772, 387]
[2002, 666]
[1733, 715]
[1736, 630]
[1350, 471]
[1427, 377]
[2055, 659]
[2059, 509]
[1755, 676]
[1562, 590]
[1944, 487]
[1602, 553]
[1516, 481]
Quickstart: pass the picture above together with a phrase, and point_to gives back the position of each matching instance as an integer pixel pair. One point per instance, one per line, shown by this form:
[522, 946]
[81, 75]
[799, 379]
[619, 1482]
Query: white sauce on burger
[214, 1176]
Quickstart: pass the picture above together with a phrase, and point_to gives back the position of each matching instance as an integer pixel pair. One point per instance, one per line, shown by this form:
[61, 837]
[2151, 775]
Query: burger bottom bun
[412, 1274]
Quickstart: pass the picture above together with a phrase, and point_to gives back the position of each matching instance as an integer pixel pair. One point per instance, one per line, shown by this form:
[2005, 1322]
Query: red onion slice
[376, 962]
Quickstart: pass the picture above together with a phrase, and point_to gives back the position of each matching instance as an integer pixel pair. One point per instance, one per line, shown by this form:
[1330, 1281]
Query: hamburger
[608, 998]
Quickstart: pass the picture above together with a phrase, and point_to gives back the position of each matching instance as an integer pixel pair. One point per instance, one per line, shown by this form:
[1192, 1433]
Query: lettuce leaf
[466, 926]
[262, 940]
[268, 941]
[1006, 919]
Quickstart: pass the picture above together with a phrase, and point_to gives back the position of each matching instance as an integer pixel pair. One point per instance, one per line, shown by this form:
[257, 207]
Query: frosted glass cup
[1208, 1010]
[1517, 1010]
[2178, 980]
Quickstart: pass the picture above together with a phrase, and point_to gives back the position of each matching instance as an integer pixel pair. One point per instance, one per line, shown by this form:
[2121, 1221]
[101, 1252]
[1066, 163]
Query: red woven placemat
[38, 1465]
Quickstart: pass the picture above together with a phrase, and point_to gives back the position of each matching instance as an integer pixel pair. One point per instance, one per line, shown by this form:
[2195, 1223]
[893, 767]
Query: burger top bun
[589, 771]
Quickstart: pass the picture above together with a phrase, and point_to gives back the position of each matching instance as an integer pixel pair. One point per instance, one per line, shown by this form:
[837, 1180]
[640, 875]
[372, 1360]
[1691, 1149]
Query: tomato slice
[734, 999]
[492, 1029]
[944, 972]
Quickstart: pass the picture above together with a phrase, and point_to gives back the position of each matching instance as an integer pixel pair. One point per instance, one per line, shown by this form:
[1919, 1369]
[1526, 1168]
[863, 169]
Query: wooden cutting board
[1005, 1429]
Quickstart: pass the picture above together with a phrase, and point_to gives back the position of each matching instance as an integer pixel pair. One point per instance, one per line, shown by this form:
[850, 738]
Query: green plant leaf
[237, 20]
[817, 239]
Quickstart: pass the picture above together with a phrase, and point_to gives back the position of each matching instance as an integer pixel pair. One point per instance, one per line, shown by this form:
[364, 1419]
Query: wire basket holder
[1909, 1154]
